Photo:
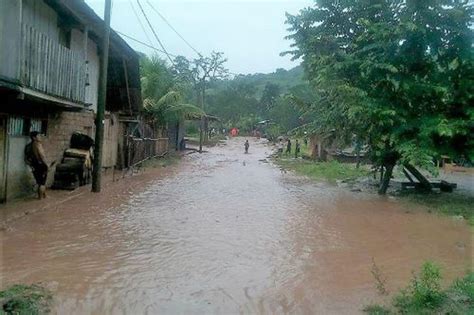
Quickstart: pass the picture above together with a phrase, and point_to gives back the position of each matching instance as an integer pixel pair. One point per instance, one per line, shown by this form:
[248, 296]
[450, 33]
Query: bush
[424, 292]
[424, 295]
[23, 299]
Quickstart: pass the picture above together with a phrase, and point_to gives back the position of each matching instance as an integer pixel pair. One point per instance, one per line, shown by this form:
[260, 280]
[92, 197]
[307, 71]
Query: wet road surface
[229, 233]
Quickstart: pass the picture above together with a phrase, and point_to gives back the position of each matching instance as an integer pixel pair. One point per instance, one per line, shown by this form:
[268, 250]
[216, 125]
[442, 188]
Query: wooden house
[50, 54]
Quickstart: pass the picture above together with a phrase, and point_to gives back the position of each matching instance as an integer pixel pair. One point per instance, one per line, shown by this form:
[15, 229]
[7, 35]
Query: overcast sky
[250, 33]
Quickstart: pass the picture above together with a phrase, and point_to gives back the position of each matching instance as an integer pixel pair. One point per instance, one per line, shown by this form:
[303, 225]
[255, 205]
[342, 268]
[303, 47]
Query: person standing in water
[247, 145]
[297, 149]
[35, 158]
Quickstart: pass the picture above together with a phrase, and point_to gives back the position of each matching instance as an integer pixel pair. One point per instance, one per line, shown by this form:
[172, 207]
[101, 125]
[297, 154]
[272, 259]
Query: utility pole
[99, 120]
[201, 129]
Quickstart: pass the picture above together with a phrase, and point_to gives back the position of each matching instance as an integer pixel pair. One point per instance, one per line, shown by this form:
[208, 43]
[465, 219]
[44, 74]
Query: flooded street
[229, 233]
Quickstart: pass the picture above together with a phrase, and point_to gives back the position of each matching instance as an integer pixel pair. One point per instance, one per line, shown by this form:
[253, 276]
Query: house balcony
[47, 67]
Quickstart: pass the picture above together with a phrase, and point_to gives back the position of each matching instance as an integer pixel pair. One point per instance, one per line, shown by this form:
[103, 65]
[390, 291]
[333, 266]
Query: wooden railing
[51, 68]
[138, 150]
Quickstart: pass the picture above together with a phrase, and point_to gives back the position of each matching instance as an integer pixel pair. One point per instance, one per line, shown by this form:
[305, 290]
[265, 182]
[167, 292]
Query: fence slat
[49, 67]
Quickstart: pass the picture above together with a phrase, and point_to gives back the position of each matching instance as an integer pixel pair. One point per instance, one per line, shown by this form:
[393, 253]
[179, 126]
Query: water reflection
[228, 233]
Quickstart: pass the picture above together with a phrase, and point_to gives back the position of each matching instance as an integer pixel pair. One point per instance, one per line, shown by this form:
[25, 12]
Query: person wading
[35, 158]
[247, 145]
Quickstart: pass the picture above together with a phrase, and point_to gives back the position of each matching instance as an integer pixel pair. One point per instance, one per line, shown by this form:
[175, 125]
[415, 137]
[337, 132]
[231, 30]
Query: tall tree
[270, 94]
[199, 73]
[396, 73]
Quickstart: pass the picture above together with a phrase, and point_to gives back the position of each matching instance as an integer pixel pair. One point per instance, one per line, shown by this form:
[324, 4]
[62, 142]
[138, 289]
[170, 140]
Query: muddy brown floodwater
[229, 233]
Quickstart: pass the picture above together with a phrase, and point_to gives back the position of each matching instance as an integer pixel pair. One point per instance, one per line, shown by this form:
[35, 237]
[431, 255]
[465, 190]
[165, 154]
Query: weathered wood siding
[10, 12]
[42, 17]
[50, 67]
[110, 146]
[92, 67]
[41, 55]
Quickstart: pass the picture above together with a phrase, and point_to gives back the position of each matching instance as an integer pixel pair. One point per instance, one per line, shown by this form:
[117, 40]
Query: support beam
[99, 121]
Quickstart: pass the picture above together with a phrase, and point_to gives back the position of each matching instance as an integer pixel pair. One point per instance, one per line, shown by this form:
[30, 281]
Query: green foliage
[156, 77]
[159, 162]
[163, 93]
[448, 204]
[23, 299]
[330, 171]
[397, 74]
[376, 310]
[246, 100]
[424, 295]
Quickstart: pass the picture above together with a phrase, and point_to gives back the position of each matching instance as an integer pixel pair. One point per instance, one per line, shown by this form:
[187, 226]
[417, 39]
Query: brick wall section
[60, 128]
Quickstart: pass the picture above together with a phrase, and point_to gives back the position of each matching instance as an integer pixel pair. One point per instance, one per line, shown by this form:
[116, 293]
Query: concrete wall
[20, 181]
[61, 126]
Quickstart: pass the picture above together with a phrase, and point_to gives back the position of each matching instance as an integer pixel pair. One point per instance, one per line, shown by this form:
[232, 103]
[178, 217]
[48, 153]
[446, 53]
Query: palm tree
[171, 108]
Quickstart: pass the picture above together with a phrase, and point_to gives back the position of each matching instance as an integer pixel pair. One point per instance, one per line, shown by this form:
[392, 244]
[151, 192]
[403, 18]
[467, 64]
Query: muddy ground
[225, 232]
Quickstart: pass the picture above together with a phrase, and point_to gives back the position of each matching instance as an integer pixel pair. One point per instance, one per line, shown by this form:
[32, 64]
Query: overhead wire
[145, 44]
[157, 49]
[154, 33]
[172, 28]
[140, 22]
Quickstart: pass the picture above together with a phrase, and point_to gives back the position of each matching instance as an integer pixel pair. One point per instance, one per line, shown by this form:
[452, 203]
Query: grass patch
[167, 160]
[377, 310]
[452, 204]
[215, 140]
[329, 171]
[424, 295]
[25, 299]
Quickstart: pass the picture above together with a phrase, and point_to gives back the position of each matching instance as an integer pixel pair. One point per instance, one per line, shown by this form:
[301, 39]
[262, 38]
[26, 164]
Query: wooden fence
[49, 67]
[141, 149]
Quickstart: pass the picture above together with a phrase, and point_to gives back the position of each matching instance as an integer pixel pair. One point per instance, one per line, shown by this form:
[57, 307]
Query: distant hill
[284, 78]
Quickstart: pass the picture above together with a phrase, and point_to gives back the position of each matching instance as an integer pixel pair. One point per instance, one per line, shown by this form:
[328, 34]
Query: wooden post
[125, 73]
[99, 121]
[201, 130]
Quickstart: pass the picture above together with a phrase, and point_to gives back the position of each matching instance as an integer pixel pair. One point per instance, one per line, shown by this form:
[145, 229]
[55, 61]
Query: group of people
[281, 147]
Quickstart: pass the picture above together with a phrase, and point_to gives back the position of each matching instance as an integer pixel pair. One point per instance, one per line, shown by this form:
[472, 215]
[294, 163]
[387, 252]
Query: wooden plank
[49, 56]
[45, 63]
[60, 71]
[41, 63]
[69, 81]
[55, 77]
[37, 59]
[29, 57]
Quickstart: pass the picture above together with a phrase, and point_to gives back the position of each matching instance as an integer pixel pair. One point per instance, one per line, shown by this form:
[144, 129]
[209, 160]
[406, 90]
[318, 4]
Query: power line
[154, 33]
[140, 22]
[174, 30]
[144, 44]
[157, 49]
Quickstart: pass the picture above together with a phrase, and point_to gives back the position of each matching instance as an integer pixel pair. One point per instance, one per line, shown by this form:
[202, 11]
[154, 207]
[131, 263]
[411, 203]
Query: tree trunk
[177, 136]
[425, 183]
[381, 174]
[386, 179]
[358, 148]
